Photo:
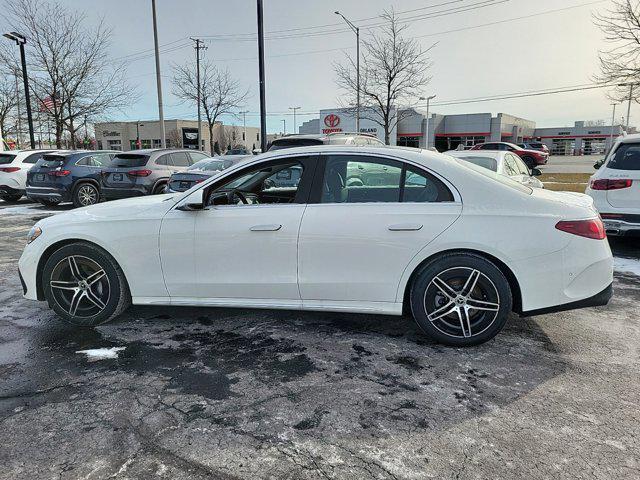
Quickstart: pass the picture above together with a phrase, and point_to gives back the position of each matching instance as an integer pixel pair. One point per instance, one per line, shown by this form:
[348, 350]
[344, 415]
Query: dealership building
[179, 134]
[448, 132]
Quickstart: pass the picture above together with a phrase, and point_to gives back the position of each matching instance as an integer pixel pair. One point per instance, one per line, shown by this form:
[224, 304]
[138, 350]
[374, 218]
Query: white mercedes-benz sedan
[334, 228]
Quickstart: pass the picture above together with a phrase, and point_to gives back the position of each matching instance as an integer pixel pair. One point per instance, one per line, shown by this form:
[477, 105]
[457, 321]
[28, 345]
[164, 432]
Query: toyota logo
[332, 120]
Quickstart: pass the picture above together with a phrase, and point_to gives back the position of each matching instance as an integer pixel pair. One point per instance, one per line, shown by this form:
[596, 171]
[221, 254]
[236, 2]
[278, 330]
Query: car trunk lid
[48, 171]
[125, 170]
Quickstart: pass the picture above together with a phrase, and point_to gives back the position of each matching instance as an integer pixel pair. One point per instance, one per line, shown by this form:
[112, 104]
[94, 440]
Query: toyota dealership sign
[342, 120]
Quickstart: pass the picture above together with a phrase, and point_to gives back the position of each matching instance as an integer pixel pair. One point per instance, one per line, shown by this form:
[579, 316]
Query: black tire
[441, 312]
[529, 162]
[85, 194]
[99, 299]
[49, 203]
[11, 198]
[159, 188]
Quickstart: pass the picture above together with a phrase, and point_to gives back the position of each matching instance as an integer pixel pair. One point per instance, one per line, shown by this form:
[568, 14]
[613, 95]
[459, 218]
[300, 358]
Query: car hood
[152, 206]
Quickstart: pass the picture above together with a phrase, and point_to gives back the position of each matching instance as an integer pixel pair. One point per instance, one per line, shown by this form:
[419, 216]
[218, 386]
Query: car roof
[495, 154]
[150, 151]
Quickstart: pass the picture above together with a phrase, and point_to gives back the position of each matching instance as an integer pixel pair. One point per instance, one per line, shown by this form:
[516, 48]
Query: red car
[532, 158]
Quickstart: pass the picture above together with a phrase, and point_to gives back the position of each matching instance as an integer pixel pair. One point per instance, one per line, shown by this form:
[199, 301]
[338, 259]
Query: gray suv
[144, 172]
[338, 138]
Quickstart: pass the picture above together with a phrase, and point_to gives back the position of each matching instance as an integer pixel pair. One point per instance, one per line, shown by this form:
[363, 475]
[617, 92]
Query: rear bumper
[47, 193]
[598, 300]
[622, 225]
[111, 193]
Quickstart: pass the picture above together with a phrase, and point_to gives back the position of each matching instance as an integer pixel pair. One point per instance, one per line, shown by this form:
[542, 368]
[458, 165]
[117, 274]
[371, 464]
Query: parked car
[615, 187]
[341, 138]
[68, 176]
[531, 158]
[14, 165]
[237, 151]
[200, 171]
[541, 147]
[235, 241]
[145, 172]
[503, 163]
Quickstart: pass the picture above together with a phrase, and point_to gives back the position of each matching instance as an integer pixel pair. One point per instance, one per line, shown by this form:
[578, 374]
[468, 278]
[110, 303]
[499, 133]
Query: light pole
[244, 126]
[613, 122]
[631, 87]
[20, 41]
[138, 144]
[199, 46]
[263, 102]
[428, 99]
[284, 127]
[357, 32]
[295, 124]
[163, 140]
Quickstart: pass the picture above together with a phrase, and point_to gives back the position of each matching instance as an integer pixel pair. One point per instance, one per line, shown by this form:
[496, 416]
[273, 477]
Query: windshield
[129, 160]
[209, 165]
[6, 158]
[627, 157]
[495, 176]
[485, 162]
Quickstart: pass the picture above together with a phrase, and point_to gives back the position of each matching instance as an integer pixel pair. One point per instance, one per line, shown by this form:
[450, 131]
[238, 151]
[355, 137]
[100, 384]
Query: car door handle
[265, 228]
[405, 227]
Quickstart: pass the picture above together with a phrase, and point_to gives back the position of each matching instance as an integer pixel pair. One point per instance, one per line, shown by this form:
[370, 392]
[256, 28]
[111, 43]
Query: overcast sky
[557, 49]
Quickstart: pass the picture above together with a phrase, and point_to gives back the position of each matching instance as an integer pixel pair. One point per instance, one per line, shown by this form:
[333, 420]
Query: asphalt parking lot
[222, 393]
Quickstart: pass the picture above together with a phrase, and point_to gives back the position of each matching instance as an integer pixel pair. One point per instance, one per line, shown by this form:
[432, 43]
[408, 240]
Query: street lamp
[357, 32]
[20, 41]
[631, 87]
[428, 99]
[138, 125]
[244, 125]
[284, 127]
[295, 124]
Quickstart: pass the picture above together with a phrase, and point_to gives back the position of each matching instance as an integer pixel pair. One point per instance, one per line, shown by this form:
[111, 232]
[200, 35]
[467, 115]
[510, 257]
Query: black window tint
[129, 160]
[163, 160]
[627, 157]
[360, 179]
[33, 158]
[180, 159]
[421, 186]
[6, 158]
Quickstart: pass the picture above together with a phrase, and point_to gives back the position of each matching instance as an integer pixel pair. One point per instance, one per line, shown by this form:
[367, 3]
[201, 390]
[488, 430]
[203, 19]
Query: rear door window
[627, 157]
[180, 159]
[164, 160]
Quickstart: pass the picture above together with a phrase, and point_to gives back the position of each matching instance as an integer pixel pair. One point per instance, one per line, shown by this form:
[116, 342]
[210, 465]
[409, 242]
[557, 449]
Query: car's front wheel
[84, 285]
[85, 194]
[461, 299]
[11, 198]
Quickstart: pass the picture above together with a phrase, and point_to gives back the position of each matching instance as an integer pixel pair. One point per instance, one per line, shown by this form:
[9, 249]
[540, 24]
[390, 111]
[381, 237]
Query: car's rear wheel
[85, 194]
[48, 203]
[461, 299]
[84, 285]
[158, 189]
[11, 198]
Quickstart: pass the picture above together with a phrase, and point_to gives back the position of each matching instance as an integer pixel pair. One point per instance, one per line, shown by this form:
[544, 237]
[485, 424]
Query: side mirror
[535, 172]
[598, 164]
[193, 202]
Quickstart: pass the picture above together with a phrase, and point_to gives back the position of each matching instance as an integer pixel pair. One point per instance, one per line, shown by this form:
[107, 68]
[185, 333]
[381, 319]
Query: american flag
[47, 104]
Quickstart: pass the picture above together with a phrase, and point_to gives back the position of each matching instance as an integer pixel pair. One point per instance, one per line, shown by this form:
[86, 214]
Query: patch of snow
[28, 210]
[101, 353]
[627, 265]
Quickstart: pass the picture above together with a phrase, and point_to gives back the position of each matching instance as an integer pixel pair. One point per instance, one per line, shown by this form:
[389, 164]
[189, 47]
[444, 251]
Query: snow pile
[34, 209]
[101, 353]
[626, 265]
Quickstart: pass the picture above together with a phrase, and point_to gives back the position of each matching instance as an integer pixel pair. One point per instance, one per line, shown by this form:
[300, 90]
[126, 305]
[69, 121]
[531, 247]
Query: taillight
[592, 228]
[9, 169]
[610, 184]
[59, 173]
[139, 173]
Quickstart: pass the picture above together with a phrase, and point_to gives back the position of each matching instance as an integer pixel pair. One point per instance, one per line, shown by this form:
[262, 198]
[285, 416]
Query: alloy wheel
[87, 195]
[80, 286]
[461, 302]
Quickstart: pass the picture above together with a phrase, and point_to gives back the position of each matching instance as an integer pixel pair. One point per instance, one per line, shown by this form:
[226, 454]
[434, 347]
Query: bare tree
[621, 63]
[393, 72]
[595, 123]
[71, 74]
[8, 101]
[219, 93]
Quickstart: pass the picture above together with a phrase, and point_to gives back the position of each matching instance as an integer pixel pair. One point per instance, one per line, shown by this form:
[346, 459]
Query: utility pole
[163, 138]
[428, 99]
[357, 32]
[244, 125]
[629, 106]
[199, 46]
[19, 123]
[284, 127]
[295, 124]
[21, 41]
[263, 103]
[613, 122]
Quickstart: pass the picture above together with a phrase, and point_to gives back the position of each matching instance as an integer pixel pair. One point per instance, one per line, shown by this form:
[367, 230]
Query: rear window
[210, 165]
[51, 161]
[489, 163]
[497, 177]
[627, 157]
[293, 142]
[6, 158]
[129, 160]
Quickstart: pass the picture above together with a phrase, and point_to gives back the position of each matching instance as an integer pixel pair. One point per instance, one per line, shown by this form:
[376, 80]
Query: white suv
[615, 187]
[14, 166]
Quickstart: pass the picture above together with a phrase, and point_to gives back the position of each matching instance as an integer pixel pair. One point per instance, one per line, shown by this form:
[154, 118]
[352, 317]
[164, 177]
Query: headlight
[34, 233]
